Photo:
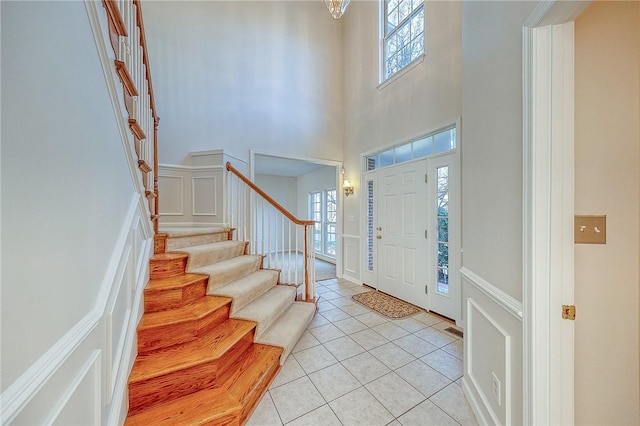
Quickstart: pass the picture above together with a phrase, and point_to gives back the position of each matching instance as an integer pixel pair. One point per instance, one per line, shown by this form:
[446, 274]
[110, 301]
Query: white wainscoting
[82, 379]
[351, 256]
[172, 189]
[493, 347]
[204, 195]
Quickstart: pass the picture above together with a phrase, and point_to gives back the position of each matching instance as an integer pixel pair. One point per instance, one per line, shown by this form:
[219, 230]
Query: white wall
[283, 189]
[492, 202]
[246, 75]
[425, 98]
[75, 232]
[607, 181]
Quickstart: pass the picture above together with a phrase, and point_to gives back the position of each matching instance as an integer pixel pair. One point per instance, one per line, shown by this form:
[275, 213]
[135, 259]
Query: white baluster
[289, 259]
[297, 254]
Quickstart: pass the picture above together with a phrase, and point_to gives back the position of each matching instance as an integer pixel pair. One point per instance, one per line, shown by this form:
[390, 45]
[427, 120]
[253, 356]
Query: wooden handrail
[271, 201]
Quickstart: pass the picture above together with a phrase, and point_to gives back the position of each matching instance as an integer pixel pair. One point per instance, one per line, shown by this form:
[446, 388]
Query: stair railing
[127, 37]
[285, 241]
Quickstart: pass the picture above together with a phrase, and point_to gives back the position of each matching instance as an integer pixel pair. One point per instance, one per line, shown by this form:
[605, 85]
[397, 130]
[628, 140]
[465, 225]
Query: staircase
[215, 331]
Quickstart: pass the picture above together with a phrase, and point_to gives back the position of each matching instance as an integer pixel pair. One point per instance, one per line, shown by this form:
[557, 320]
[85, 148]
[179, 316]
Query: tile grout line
[391, 325]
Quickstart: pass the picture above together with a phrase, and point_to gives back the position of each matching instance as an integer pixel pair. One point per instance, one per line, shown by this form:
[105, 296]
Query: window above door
[402, 34]
[435, 143]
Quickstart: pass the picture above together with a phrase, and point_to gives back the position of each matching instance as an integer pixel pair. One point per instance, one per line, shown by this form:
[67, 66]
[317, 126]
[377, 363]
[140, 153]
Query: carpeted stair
[255, 293]
[215, 330]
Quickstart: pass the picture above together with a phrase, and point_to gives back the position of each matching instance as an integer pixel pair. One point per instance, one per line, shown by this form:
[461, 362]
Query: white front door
[412, 233]
[400, 232]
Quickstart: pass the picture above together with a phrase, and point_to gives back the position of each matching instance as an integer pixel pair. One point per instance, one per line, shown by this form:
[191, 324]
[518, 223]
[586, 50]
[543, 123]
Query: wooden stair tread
[209, 347]
[209, 406]
[179, 281]
[193, 311]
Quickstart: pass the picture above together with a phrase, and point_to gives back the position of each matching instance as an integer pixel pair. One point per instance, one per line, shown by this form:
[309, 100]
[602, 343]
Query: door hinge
[426, 178]
[426, 233]
[569, 312]
[426, 289]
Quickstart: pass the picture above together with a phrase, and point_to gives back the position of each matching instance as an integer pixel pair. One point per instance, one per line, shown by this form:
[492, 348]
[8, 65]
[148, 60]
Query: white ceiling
[278, 166]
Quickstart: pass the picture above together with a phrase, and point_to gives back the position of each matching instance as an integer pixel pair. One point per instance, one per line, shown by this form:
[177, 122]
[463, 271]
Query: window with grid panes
[323, 209]
[403, 26]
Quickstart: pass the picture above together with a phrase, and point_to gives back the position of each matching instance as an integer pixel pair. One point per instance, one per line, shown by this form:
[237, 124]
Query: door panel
[402, 223]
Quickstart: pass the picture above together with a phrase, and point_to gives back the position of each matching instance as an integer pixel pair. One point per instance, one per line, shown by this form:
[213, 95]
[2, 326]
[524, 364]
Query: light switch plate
[590, 229]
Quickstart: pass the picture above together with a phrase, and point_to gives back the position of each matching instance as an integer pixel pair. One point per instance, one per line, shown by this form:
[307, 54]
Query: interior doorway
[295, 182]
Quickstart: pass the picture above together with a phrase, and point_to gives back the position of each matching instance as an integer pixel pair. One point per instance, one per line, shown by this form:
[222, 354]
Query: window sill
[417, 61]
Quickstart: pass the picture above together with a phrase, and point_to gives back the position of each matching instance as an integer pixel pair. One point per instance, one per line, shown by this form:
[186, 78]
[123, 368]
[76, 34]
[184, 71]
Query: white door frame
[548, 180]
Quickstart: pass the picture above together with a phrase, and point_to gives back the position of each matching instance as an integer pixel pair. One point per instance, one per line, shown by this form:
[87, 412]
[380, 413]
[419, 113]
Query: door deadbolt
[379, 237]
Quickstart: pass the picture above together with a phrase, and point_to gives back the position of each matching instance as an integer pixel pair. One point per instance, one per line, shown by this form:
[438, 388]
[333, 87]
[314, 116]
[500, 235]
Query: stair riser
[164, 336]
[251, 400]
[231, 274]
[214, 254]
[162, 300]
[176, 243]
[251, 370]
[159, 243]
[185, 381]
[167, 268]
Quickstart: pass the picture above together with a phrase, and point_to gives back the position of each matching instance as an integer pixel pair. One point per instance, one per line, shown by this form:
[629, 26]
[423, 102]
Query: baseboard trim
[507, 302]
[351, 279]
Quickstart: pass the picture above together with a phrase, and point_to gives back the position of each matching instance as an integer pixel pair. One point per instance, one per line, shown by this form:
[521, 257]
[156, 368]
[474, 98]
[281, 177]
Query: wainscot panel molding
[484, 330]
[82, 378]
[493, 322]
[173, 194]
[510, 304]
[83, 392]
[205, 194]
[351, 256]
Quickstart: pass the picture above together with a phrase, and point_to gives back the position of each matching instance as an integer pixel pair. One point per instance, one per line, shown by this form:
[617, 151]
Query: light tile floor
[355, 367]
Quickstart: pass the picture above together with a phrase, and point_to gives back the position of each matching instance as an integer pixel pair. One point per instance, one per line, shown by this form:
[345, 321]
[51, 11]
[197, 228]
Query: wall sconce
[348, 188]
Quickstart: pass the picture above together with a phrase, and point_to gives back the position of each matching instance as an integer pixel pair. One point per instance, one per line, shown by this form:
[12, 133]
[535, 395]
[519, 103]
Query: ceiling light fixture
[337, 7]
